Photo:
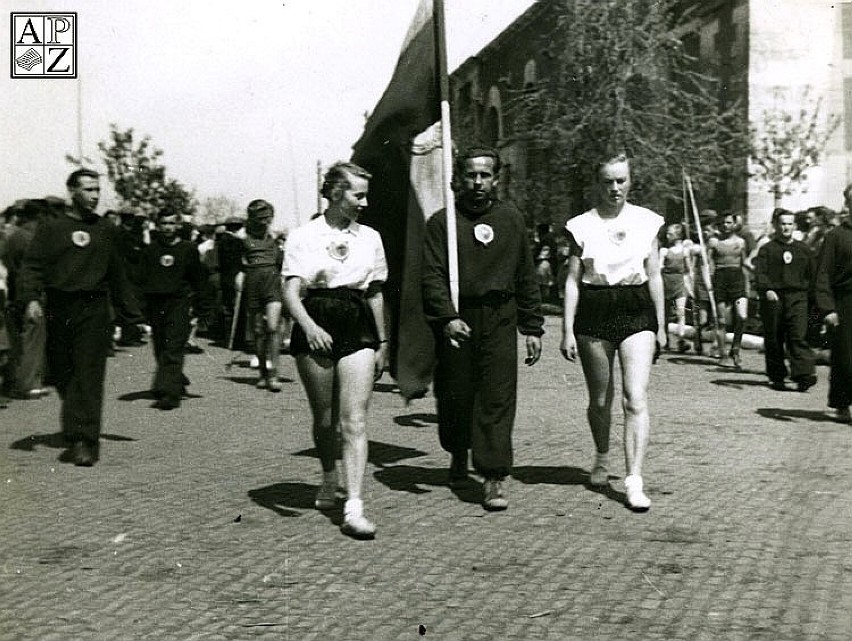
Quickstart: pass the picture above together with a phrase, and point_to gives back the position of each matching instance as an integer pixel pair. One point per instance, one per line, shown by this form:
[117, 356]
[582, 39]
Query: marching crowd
[74, 283]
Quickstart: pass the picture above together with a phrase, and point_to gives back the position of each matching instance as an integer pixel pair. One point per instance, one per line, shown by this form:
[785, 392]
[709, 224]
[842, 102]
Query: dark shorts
[261, 287]
[729, 285]
[344, 314]
[673, 286]
[615, 313]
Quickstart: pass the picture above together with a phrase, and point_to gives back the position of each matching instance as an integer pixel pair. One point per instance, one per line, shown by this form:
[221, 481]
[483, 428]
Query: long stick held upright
[705, 262]
[447, 152]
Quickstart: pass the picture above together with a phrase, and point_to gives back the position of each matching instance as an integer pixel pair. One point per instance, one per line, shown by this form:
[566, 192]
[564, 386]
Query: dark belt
[76, 294]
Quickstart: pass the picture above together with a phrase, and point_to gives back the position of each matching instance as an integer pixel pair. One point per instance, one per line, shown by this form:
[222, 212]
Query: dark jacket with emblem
[170, 269]
[499, 262]
[772, 272]
[75, 256]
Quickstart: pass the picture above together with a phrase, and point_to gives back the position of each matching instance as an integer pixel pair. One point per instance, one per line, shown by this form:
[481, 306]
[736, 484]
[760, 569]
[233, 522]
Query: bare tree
[139, 177]
[789, 139]
[622, 81]
[215, 210]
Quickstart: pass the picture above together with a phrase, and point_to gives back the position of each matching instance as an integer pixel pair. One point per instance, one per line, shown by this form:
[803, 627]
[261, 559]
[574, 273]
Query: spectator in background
[28, 334]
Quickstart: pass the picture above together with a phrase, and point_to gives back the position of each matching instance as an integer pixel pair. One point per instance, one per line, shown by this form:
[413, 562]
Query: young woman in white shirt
[614, 304]
[334, 269]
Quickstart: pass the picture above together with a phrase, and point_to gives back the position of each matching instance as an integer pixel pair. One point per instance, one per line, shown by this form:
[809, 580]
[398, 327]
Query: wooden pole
[447, 153]
[705, 263]
[319, 187]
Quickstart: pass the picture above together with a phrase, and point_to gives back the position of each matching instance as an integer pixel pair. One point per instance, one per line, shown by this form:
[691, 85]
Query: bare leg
[317, 376]
[355, 381]
[722, 310]
[680, 309]
[596, 356]
[272, 337]
[636, 354]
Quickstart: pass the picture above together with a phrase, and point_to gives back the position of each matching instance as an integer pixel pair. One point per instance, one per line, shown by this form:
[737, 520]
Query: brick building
[764, 52]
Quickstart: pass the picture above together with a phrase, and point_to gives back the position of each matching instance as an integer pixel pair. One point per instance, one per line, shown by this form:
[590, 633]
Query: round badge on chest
[81, 238]
[788, 257]
[167, 260]
[338, 250]
[483, 233]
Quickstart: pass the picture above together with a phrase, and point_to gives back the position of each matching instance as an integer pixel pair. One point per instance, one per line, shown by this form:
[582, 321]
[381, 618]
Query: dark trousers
[840, 379]
[476, 387]
[30, 336]
[78, 340]
[169, 317]
[785, 322]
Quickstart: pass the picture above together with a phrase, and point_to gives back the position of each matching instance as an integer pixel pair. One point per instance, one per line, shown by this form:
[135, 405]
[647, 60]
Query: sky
[244, 98]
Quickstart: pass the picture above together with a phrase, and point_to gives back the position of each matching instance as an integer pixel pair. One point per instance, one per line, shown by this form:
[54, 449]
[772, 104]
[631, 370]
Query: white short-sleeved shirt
[325, 257]
[614, 250]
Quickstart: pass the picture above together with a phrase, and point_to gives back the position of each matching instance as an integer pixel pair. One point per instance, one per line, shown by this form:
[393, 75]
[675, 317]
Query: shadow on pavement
[550, 475]
[252, 380]
[55, 441]
[412, 479]
[378, 453]
[419, 419]
[739, 383]
[789, 415]
[29, 443]
[144, 395]
[290, 499]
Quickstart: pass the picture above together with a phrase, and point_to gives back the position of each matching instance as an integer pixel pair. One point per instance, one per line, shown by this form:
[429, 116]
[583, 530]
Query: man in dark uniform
[834, 300]
[476, 372]
[170, 274]
[784, 272]
[73, 261]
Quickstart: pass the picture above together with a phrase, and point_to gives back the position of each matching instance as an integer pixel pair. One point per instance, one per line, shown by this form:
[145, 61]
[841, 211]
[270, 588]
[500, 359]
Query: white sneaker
[636, 498]
[355, 524]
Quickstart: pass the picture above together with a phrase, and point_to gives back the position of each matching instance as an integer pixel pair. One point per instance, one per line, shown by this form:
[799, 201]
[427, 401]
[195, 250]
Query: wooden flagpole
[705, 262]
[447, 151]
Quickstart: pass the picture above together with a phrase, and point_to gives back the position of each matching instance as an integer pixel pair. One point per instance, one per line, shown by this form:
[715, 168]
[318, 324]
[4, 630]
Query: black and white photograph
[466, 320]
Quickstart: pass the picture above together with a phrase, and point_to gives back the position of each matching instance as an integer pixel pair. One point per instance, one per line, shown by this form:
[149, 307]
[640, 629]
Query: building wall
[796, 44]
[757, 48]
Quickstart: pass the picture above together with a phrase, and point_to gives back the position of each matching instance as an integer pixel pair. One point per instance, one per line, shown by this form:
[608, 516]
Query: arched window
[493, 125]
[530, 74]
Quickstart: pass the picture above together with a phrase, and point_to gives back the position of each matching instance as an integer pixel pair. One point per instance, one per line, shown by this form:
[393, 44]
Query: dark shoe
[193, 348]
[842, 415]
[494, 501]
[804, 384]
[778, 386]
[83, 454]
[737, 359]
[272, 384]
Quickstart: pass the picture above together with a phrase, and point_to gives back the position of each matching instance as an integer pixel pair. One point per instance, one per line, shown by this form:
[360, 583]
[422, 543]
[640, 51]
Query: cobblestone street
[198, 524]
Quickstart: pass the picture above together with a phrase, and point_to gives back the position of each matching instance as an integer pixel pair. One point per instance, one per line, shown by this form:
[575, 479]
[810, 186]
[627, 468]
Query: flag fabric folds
[401, 148]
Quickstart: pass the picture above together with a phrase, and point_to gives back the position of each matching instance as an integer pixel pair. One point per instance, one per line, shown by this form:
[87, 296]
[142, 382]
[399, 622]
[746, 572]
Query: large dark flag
[401, 147]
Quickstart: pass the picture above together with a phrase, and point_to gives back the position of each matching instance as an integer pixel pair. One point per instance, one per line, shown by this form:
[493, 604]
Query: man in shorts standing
[728, 255]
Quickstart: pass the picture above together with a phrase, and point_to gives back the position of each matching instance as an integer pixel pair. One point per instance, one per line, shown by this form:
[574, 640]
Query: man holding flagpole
[476, 345]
